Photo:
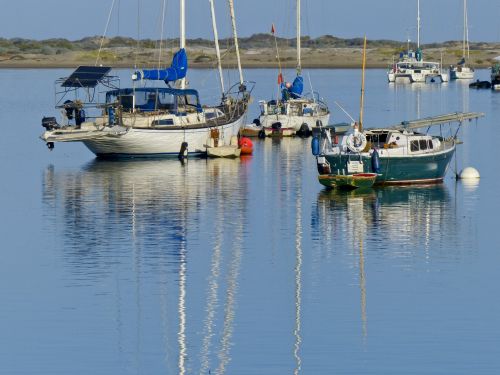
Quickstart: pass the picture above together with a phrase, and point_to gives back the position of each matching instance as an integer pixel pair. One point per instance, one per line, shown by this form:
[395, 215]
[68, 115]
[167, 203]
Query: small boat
[462, 70]
[254, 129]
[350, 181]
[412, 67]
[217, 148]
[480, 85]
[292, 112]
[224, 151]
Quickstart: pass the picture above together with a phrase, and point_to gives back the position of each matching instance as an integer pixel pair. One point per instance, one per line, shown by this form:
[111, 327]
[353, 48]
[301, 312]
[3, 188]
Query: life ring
[356, 142]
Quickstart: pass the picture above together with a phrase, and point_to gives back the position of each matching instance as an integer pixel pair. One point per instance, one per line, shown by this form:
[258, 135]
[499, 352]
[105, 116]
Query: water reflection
[159, 217]
[412, 226]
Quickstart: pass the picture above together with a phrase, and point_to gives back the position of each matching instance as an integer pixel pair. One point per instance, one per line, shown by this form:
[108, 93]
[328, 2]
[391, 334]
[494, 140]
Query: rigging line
[105, 32]
[118, 18]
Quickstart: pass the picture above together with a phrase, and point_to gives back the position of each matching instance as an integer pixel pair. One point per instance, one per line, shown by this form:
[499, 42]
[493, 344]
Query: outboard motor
[375, 161]
[69, 108]
[79, 116]
[256, 121]
[276, 126]
[50, 123]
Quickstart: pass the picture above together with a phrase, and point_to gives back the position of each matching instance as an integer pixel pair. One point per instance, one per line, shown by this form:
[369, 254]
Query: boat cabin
[291, 107]
[174, 101]
[402, 141]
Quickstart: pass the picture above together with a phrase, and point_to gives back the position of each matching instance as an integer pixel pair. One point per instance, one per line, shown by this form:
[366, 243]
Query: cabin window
[167, 121]
[377, 138]
[187, 103]
[423, 144]
[431, 145]
[127, 102]
[414, 146]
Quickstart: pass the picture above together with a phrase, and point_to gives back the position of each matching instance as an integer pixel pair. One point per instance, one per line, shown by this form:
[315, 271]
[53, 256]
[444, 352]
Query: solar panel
[86, 76]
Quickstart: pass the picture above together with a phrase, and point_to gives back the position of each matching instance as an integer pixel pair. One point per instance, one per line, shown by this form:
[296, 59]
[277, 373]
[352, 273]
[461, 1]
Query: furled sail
[177, 70]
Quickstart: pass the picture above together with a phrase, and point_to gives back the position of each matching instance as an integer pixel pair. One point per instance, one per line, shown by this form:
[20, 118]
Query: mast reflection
[400, 222]
[154, 216]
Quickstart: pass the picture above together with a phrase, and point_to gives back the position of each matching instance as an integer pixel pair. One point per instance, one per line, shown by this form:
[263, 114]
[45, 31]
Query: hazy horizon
[392, 21]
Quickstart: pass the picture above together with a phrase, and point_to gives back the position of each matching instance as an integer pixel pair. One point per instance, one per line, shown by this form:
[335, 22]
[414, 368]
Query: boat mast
[235, 36]
[217, 49]
[299, 65]
[362, 101]
[466, 27]
[182, 35]
[463, 41]
[418, 23]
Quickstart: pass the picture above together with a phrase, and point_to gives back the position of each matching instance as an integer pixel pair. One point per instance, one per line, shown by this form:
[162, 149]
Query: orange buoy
[246, 146]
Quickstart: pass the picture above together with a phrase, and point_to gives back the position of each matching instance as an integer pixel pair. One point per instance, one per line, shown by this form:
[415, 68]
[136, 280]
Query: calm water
[246, 266]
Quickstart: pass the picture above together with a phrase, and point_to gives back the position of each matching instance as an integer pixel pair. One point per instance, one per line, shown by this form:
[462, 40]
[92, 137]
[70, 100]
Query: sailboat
[292, 112]
[462, 70]
[145, 121]
[412, 66]
[392, 155]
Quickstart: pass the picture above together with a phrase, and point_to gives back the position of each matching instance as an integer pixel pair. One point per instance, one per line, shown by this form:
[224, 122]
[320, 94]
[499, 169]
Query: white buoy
[469, 173]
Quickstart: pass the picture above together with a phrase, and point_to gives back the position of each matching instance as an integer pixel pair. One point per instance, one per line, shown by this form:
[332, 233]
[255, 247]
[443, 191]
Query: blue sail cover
[293, 91]
[177, 70]
[297, 87]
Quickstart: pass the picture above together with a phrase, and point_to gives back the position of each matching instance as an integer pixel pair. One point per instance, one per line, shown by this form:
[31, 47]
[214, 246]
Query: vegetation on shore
[257, 51]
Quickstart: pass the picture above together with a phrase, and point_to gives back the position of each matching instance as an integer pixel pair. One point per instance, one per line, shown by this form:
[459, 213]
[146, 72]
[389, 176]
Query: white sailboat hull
[158, 142]
[464, 73]
[416, 76]
[293, 122]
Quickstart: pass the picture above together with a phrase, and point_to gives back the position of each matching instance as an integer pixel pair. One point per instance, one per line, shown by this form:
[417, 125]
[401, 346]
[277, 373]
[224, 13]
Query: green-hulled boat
[397, 154]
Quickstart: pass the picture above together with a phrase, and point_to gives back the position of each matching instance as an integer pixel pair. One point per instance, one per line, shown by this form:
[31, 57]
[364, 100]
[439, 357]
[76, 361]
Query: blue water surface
[246, 266]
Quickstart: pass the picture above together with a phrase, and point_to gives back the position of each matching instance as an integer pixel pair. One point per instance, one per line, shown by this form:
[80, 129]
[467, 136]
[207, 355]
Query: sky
[441, 20]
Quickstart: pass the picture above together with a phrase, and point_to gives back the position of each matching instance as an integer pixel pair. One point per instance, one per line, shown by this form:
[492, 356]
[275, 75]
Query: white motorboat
[412, 67]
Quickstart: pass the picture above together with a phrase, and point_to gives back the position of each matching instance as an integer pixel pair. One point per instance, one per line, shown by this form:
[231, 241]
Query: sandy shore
[251, 58]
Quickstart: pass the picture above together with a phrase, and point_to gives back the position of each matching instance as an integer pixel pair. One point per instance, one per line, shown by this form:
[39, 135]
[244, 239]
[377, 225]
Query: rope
[105, 32]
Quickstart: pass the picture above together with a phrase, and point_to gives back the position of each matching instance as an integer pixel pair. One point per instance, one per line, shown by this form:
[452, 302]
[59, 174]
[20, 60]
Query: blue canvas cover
[297, 87]
[294, 91]
[177, 70]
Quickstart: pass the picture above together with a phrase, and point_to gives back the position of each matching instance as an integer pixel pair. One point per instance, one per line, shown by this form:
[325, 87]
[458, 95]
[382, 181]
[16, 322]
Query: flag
[272, 29]
[280, 79]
